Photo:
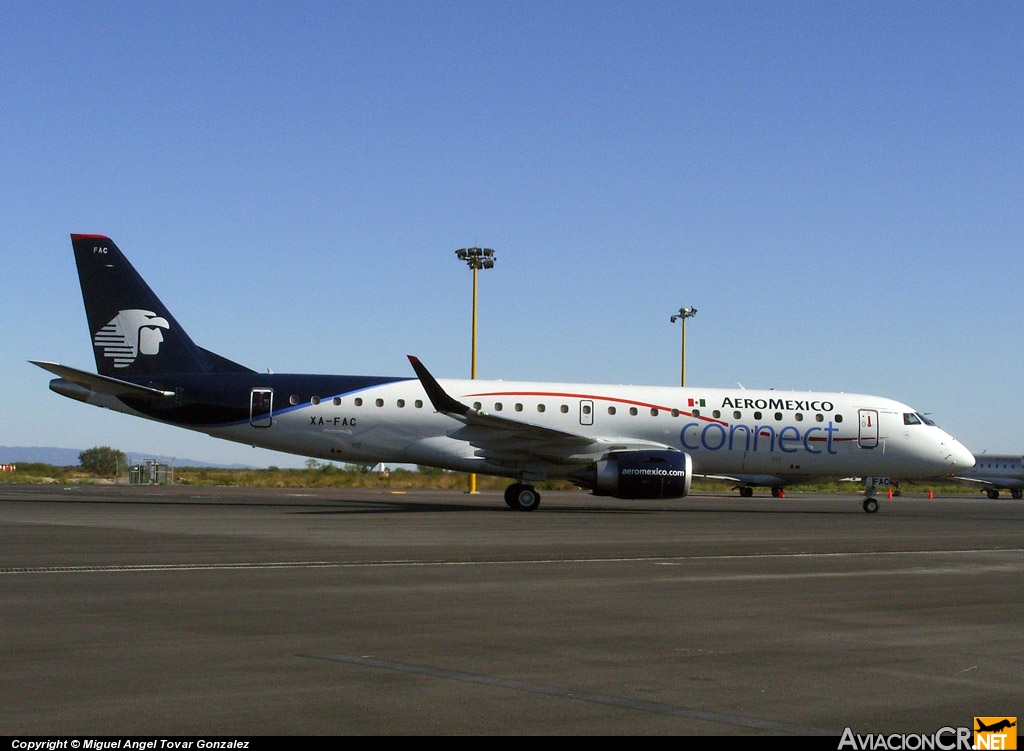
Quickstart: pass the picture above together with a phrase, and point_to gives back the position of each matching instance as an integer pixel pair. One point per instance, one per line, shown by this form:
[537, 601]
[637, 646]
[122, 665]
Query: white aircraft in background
[620, 441]
[996, 472]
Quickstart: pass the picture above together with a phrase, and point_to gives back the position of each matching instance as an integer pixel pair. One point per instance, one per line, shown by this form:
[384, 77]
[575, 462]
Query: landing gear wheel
[746, 492]
[522, 497]
[992, 493]
[870, 505]
[1016, 494]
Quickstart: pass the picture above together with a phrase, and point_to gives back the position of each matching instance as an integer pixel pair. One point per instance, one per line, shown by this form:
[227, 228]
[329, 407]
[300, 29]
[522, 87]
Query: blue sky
[837, 187]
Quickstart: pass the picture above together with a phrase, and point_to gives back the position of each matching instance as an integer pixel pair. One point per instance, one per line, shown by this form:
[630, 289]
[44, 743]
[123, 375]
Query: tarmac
[247, 612]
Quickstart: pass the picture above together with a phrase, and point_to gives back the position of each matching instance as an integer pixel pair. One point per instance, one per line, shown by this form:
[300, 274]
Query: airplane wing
[503, 438]
[744, 479]
[102, 384]
[1005, 483]
[977, 480]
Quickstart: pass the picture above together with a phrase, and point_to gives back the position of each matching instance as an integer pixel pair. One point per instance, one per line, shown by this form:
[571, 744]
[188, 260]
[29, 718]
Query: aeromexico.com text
[647, 472]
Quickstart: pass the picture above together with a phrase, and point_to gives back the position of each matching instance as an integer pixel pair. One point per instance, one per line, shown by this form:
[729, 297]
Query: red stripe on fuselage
[595, 397]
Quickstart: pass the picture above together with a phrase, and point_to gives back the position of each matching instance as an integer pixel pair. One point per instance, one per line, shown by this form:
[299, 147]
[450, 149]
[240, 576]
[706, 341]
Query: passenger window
[695, 413]
[757, 415]
[654, 412]
[337, 401]
[497, 406]
[541, 407]
[839, 418]
[716, 414]
[314, 400]
[293, 399]
[675, 413]
[519, 407]
[819, 417]
[359, 401]
[401, 402]
[799, 416]
[419, 404]
[778, 417]
[632, 411]
[564, 409]
[379, 402]
[736, 415]
[611, 410]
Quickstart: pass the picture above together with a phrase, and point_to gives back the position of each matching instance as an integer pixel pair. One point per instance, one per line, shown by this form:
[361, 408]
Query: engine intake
[657, 473]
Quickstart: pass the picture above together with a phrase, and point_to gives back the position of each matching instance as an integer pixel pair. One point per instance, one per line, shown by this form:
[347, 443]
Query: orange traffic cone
[890, 492]
[930, 494]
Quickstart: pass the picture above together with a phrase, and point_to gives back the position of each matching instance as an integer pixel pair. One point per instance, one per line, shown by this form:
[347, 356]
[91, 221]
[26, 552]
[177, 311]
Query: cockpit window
[925, 419]
[910, 418]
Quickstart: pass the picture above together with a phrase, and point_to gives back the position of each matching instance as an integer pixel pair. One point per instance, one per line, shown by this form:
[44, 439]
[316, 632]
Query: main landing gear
[521, 497]
[1015, 493]
[871, 505]
[747, 492]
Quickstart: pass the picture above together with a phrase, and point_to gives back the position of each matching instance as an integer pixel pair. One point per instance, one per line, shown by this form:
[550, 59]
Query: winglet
[438, 396]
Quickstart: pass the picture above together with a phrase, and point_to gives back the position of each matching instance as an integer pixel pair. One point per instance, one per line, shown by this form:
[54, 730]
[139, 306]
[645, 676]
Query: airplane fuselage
[368, 420]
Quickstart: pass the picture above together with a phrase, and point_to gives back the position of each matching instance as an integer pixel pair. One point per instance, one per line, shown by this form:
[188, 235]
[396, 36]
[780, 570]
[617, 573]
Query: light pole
[682, 315]
[476, 259]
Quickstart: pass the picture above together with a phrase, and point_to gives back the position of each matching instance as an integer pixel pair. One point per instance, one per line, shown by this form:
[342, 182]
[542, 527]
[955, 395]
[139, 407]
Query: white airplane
[620, 441]
[997, 472]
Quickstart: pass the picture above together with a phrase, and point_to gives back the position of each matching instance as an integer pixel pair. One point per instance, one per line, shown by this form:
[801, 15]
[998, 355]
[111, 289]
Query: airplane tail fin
[132, 332]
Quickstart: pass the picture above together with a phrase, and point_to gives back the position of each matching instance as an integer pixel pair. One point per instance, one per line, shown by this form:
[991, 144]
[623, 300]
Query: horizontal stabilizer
[102, 384]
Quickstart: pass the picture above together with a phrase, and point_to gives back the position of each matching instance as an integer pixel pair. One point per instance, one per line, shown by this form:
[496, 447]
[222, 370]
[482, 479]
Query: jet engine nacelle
[639, 474]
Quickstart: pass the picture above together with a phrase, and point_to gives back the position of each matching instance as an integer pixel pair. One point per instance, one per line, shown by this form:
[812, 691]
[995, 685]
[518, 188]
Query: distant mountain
[39, 454]
[59, 457]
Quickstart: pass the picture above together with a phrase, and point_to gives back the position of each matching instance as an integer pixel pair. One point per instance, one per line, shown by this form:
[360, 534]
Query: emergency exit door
[261, 408]
[867, 438]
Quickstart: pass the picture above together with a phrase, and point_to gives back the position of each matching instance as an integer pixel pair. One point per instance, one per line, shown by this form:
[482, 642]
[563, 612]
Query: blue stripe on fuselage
[222, 400]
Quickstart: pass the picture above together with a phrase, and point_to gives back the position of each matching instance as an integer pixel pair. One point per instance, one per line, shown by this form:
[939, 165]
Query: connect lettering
[716, 436]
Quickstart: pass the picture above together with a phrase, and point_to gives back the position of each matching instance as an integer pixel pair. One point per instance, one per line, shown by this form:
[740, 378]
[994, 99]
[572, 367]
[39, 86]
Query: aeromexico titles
[621, 441]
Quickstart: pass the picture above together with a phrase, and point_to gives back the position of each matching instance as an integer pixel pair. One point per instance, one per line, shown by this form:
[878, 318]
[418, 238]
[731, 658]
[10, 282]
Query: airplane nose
[959, 457]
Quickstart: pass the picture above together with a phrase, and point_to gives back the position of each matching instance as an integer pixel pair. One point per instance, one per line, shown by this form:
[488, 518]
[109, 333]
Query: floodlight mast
[682, 315]
[476, 259]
